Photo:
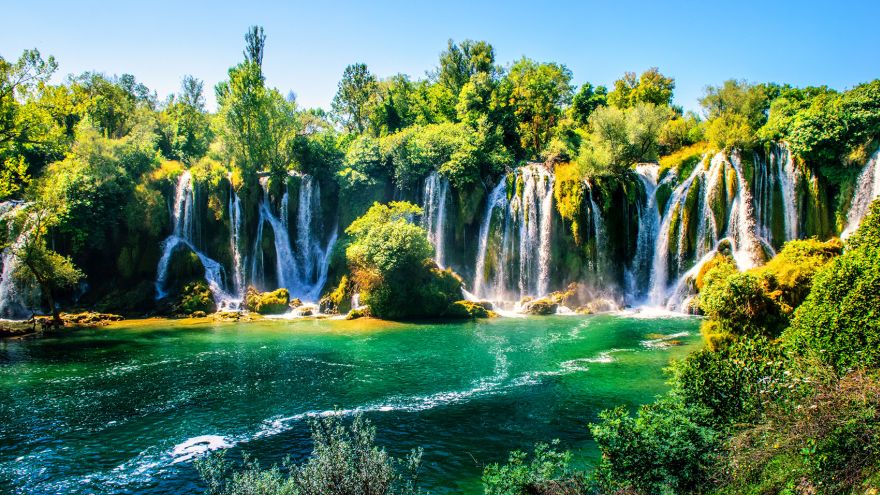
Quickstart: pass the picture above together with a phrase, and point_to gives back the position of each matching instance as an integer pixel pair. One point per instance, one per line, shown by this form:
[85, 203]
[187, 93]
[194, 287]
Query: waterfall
[235, 241]
[435, 196]
[11, 304]
[649, 222]
[867, 189]
[775, 183]
[182, 236]
[597, 228]
[521, 233]
[301, 267]
[712, 204]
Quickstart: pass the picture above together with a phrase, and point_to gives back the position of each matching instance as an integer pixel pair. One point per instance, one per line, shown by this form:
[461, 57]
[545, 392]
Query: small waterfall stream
[639, 279]
[11, 304]
[435, 197]
[867, 189]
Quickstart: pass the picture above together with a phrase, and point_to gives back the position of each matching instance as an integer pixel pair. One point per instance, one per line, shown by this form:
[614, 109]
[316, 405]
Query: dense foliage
[391, 266]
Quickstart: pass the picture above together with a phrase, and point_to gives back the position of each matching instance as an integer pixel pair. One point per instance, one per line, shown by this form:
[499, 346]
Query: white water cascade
[435, 197]
[639, 274]
[775, 184]
[235, 226]
[867, 189]
[516, 232]
[182, 236]
[300, 267]
[713, 204]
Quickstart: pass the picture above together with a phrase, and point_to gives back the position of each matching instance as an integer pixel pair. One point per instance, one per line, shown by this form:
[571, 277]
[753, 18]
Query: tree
[586, 101]
[188, 132]
[458, 63]
[356, 95]
[242, 102]
[255, 45]
[651, 87]
[621, 137]
[36, 264]
[539, 93]
[735, 112]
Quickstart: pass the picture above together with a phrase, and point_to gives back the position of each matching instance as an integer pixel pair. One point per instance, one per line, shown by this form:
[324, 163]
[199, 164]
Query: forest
[481, 189]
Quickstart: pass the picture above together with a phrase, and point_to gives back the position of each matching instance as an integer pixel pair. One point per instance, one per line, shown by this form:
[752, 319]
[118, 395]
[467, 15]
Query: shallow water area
[127, 408]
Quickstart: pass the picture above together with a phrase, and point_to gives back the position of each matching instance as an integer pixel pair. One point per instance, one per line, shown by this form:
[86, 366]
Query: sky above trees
[310, 43]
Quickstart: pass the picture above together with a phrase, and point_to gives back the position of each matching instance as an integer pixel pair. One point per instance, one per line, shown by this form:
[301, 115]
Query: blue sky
[310, 43]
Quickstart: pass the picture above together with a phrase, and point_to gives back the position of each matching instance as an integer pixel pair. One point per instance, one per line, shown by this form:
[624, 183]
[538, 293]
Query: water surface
[122, 409]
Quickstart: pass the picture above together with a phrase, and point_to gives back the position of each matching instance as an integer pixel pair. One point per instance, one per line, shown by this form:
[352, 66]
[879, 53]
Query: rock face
[275, 302]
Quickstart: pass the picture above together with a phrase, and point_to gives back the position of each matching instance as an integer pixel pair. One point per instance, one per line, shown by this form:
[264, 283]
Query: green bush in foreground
[344, 461]
[548, 471]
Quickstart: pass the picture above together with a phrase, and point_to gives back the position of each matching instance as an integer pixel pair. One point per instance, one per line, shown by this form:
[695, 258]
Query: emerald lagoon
[126, 408]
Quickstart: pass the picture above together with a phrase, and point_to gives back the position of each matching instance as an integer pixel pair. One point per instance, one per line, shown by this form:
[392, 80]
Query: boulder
[275, 302]
[543, 306]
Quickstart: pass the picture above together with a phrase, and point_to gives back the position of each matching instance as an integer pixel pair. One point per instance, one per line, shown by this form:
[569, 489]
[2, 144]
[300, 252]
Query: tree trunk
[56, 315]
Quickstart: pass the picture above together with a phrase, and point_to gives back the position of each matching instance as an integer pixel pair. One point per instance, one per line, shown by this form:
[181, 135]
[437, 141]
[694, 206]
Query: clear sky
[309, 43]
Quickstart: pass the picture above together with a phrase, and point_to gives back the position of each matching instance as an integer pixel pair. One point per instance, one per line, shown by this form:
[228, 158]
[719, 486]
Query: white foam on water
[195, 446]
[663, 341]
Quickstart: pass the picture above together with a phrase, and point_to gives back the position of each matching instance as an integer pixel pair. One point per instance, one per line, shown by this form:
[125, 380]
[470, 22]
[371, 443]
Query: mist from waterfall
[867, 189]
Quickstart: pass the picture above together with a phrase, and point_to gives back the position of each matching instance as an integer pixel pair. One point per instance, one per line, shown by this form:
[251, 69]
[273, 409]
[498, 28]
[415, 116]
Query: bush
[344, 461]
[391, 266]
[666, 448]
[736, 382]
[195, 296]
[839, 323]
[548, 471]
[467, 310]
[267, 303]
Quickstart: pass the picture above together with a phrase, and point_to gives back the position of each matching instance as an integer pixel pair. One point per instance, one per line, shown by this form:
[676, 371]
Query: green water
[116, 410]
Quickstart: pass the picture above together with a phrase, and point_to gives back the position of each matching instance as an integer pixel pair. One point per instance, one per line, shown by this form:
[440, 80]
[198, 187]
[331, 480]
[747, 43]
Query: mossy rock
[540, 307]
[195, 296]
[338, 300]
[267, 303]
[467, 310]
[356, 313]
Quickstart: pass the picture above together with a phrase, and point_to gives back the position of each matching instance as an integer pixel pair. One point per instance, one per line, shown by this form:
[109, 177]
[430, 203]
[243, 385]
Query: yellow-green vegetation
[195, 296]
[762, 300]
[267, 303]
[468, 310]
[684, 160]
[568, 191]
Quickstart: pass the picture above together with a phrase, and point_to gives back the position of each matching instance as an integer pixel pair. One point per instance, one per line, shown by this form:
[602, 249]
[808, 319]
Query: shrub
[666, 448]
[548, 471]
[391, 266]
[344, 461]
[736, 381]
[267, 303]
[467, 310]
[195, 296]
[839, 323]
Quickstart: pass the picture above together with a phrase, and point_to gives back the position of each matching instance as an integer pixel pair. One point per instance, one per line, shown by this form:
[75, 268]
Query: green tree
[651, 87]
[458, 63]
[539, 93]
[586, 101]
[36, 265]
[188, 132]
[621, 137]
[255, 45]
[735, 112]
[357, 94]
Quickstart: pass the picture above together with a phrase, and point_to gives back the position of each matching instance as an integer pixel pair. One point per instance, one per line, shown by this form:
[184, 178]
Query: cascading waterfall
[867, 189]
[713, 194]
[516, 231]
[775, 184]
[597, 231]
[649, 221]
[182, 235]
[301, 267]
[434, 201]
[235, 241]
